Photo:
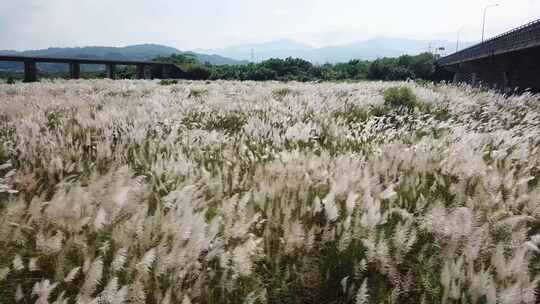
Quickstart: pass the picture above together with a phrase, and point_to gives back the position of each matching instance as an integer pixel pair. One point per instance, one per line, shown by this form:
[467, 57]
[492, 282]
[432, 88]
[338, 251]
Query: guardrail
[523, 37]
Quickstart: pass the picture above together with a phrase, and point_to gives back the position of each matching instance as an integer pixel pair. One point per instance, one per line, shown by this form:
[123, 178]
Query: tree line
[295, 69]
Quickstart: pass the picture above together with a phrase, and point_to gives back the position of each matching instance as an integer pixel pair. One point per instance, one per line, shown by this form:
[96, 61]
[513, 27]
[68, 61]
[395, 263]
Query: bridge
[506, 62]
[145, 69]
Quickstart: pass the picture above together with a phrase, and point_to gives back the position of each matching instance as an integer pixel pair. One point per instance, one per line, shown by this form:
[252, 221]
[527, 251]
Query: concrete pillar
[166, 72]
[157, 72]
[140, 71]
[507, 84]
[30, 71]
[461, 76]
[110, 71]
[474, 78]
[74, 70]
[456, 78]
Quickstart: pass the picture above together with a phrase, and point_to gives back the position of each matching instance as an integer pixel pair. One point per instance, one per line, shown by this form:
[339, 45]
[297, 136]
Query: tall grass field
[243, 192]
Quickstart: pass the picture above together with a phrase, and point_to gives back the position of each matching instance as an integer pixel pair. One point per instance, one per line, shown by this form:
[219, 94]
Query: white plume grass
[267, 192]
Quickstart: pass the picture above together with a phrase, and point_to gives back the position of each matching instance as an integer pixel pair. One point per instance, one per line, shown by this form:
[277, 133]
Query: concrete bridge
[506, 62]
[145, 69]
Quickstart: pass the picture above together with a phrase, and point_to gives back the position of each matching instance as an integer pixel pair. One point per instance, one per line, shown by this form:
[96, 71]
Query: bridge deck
[523, 37]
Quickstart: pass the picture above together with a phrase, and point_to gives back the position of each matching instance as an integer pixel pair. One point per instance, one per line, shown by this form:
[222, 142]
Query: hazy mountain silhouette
[367, 49]
[132, 52]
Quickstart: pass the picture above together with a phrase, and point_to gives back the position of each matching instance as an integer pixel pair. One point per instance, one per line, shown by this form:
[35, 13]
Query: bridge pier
[140, 71]
[462, 74]
[474, 78]
[110, 71]
[30, 71]
[74, 70]
[488, 73]
[506, 80]
[461, 77]
[157, 72]
[497, 72]
[167, 72]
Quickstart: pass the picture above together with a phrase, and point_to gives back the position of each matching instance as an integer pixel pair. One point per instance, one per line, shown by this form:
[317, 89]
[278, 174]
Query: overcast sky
[31, 24]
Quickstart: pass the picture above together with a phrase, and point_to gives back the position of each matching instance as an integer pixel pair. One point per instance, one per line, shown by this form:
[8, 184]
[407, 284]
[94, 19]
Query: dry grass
[132, 192]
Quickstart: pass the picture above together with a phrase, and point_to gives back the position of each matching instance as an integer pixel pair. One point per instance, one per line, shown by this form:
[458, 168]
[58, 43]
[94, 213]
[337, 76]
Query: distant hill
[366, 50]
[277, 48]
[132, 52]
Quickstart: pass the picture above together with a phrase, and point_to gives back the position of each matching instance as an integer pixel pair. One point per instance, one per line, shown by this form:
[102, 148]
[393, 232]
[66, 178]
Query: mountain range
[366, 50]
[132, 52]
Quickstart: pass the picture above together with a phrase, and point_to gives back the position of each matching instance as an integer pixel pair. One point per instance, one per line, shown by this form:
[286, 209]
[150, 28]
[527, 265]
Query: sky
[205, 24]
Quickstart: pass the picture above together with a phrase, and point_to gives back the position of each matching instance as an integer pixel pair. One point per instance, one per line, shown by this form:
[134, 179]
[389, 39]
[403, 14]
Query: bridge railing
[525, 36]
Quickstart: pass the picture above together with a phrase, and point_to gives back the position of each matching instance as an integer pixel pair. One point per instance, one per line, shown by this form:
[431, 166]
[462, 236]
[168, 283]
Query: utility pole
[484, 21]
[252, 56]
[457, 40]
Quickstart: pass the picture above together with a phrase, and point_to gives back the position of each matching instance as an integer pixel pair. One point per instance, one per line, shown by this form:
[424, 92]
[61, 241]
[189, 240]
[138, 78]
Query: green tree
[178, 59]
[402, 68]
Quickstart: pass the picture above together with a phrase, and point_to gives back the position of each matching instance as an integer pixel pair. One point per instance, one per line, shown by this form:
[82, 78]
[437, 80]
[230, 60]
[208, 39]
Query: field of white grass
[243, 192]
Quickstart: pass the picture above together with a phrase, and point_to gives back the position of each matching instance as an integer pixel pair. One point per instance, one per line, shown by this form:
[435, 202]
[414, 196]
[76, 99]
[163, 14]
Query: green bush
[166, 82]
[352, 113]
[280, 94]
[196, 93]
[400, 97]
[10, 80]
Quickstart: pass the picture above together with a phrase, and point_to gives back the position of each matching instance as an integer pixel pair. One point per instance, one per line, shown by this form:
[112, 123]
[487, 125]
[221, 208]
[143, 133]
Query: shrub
[10, 80]
[352, 113]
[400, 97]
[378, 110]
[166, 82]
[197, 93]
[280, 94]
